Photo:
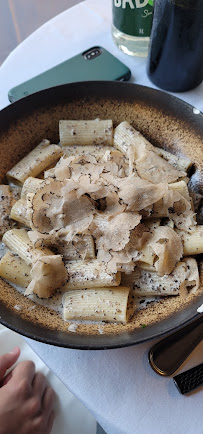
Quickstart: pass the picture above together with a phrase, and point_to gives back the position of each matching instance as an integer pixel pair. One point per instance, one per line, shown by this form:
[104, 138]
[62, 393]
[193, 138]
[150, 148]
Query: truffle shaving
[48, 274]
[152, 167]
[117, 233]
[168, 247]
[139, 194]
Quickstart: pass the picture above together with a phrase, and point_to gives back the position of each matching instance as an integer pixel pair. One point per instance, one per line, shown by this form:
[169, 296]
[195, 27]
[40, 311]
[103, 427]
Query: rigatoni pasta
[15, 269]
[89, 274]
[110, 218]
[146, 160]
[96, 132]
[100, 304]
[30, 185]
[18, 242]
[35, 162]
[192, 242]
[19, 212]
[145, 283]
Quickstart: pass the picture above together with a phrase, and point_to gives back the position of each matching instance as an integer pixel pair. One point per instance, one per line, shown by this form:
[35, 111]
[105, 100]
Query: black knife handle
[190, 379]
[167, 355]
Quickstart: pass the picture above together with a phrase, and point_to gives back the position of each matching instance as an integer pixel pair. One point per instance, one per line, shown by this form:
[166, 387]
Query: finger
[25, 370]
[39, 385]
[46, 416]
[7, 360]
[6, 379]
[50, 422]
[43, 423]
[48, 400]
[20, 385]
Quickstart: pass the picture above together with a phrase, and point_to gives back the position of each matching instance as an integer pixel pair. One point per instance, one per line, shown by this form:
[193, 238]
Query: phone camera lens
[92, 54]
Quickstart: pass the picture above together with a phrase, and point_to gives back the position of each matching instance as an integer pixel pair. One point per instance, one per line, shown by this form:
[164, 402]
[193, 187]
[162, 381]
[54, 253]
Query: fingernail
[15, 351]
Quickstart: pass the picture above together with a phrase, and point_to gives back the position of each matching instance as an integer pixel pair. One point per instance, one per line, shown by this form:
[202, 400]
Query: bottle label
[133, 17]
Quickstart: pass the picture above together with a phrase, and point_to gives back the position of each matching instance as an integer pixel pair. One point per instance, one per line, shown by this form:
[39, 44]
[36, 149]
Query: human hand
[26, 402]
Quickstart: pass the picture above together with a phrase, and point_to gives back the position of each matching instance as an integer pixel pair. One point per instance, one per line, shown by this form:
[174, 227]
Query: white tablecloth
[118, 386]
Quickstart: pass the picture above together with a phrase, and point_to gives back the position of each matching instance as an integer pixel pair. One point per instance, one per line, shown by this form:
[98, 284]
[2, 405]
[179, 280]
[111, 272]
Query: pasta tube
[193, 242]
[147, 283]
[6, 202]
[96, 150]
[31, 185]
[15, 270]
[35, 162]
[125, 136]
[19, 212]
[179, 163]
[48, 274]
[147, 255]
[182, 188]
[184, 278]
[145, 266]
[89, 274]
[97, 304]
[18, 241]
[96, 132]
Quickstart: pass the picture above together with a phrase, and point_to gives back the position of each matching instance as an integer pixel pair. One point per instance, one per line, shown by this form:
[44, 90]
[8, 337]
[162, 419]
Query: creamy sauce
[18, 307]
[72, 328]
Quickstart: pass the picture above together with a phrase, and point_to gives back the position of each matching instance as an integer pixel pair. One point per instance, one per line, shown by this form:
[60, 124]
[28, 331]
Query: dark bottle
[175, 60]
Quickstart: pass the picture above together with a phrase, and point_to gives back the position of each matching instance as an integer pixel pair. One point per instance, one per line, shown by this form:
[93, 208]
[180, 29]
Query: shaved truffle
[192, 281]
[168, 247]
[139, 194]
[117, 233]
[48, 274]
[107, 196]
[152, 167]
[54, 208]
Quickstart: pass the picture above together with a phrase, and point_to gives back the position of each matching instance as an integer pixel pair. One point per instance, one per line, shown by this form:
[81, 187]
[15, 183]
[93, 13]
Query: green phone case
[95, 63]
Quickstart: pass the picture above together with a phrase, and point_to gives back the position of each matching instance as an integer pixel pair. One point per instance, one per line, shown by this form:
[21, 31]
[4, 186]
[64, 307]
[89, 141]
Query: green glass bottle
[131, 26]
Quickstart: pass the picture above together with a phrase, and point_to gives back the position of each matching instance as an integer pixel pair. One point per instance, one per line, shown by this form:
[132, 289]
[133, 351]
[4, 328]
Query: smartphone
[96, 63]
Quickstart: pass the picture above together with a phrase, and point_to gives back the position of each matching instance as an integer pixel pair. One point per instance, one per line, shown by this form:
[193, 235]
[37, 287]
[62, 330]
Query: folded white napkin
[117, 386]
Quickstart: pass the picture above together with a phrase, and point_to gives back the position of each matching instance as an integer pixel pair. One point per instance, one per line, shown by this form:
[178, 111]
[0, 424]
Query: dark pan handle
[167, 355]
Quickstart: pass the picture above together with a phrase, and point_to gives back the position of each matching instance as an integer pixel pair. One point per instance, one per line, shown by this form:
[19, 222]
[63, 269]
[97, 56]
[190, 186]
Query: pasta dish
[103, 218]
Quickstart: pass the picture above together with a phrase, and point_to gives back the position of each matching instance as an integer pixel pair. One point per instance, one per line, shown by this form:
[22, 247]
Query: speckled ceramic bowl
[164, 120]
